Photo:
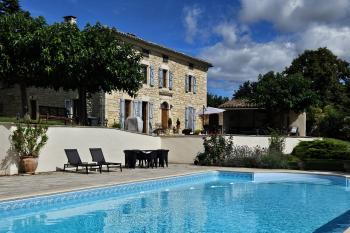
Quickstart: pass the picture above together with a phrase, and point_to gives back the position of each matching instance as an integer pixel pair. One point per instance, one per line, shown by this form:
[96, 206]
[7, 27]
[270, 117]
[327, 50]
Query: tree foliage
[21, 52]
[89, 61]
[282, 93]
[245, 90]
[328, 74]
[215, 100]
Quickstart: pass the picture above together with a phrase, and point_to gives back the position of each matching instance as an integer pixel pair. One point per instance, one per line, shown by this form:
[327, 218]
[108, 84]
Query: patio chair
[75, 161]
[162, 157]
[97, 156]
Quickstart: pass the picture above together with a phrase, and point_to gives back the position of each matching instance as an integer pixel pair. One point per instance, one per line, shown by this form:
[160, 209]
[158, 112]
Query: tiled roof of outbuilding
[238, 103]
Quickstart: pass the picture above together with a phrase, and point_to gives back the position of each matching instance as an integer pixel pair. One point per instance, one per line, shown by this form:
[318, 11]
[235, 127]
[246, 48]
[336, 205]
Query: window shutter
[122, 114]
[187, 86]
[139, 109]
[186, 117]
[150, 116]
[134, 108]
[194, 85]
[194, 119]
[171, 80]
[160, 77]
[151, 76]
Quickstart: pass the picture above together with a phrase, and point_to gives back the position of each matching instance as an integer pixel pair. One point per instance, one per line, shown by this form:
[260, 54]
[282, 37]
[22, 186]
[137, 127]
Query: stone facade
[181, 97]
[177, 98]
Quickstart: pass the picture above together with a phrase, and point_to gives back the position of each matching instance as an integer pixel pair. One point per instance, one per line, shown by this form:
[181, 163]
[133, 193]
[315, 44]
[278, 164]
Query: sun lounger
[75, 161]
[98, 157]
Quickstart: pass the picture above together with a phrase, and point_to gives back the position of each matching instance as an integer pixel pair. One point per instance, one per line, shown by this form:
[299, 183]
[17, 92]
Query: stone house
[174, 87]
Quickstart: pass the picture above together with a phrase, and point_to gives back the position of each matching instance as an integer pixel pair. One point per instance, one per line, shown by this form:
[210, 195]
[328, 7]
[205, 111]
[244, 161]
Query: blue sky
[242, 38]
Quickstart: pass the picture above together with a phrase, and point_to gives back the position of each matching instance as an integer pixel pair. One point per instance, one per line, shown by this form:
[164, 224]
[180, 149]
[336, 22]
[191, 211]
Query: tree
[328, 75]
[21, 53]
[282, 93]
[90, 61]
[215, 100]
[245, 90]
[11, 7]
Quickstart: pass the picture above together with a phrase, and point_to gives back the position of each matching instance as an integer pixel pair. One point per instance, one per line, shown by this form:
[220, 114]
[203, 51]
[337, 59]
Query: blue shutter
[122, 113]
[187, 86]
[160, 77]
[150, 117]
[171, 80]
[194, 85]
[151, 76]
[186, 117]
[139, 109]
[194, 119]
[134, 108]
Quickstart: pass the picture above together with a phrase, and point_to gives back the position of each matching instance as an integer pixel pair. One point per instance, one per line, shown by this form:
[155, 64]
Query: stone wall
[177, 98]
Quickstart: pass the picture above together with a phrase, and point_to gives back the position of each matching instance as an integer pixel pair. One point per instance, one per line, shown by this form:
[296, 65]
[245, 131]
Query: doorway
[144, 116]
[165, 114]
[33, 111]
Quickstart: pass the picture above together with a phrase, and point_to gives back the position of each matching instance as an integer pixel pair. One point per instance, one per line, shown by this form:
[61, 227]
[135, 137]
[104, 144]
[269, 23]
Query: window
[144, 73]
[190, 83]
[165, 78]
[145, 52]
[190, 66]
[165, 58]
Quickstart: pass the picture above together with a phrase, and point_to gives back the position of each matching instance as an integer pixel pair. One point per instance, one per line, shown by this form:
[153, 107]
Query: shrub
[322, 149]
[186, 131]
[116, 125]
[197, 132]
[245, 156]
[216, 149]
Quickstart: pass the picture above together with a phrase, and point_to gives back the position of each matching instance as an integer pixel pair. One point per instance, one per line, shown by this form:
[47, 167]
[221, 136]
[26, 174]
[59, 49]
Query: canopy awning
[211, 110]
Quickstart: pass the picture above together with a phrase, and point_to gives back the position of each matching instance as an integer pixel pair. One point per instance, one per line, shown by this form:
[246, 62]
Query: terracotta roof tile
[238, 103]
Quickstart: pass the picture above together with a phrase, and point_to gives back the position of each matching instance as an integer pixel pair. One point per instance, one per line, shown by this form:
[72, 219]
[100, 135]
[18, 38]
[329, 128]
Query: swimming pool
[203, 202]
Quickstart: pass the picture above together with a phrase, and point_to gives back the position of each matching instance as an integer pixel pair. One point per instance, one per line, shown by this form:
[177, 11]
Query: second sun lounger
[97, 156]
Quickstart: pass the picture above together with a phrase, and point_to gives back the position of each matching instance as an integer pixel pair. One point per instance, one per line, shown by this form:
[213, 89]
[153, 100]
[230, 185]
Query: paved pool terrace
[19, 186]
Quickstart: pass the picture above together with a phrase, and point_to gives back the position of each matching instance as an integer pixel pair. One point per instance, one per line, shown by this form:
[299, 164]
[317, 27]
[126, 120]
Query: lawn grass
[14, 120]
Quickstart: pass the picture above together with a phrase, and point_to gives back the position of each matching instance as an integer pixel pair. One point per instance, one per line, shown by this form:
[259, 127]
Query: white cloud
[335, 38]
[238, 59]
[293, 15]
[191, 22]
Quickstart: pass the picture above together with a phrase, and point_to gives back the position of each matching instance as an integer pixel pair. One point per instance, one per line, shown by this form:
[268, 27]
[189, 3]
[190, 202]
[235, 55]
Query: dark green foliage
[323, 165]
[323, 149]
[216, 150]
[245, 90]
[283, 93]
[328, 75]
[186, 131]
[28, 140]
[10, 7]
[215, 100]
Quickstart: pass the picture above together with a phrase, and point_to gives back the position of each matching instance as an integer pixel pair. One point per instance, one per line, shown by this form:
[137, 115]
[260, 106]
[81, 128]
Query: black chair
[97, 156]
[162, 157]
[130, 158]
[151, 156]
[141, 157]
[75, 161]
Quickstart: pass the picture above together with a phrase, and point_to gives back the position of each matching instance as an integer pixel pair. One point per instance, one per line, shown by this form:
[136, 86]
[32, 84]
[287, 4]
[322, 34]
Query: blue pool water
[207, 202]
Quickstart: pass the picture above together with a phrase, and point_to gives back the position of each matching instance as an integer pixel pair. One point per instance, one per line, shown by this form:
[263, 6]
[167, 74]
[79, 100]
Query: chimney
[70, 19]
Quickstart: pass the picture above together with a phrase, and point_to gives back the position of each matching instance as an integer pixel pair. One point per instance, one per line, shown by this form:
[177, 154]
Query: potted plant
[170, 123]
[27, 140]
[178, 124]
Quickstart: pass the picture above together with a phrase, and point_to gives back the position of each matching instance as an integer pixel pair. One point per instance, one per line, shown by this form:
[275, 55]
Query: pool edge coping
[88, 187]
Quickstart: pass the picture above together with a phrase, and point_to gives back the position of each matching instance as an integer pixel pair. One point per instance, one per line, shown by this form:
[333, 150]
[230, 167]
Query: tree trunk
[24, 99]
[82, 112]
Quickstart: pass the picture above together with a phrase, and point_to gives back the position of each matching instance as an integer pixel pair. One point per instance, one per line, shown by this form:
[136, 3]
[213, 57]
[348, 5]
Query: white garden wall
[183, 149]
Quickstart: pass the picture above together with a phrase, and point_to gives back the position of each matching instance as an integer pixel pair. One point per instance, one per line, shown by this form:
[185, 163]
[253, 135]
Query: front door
[165, 117]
